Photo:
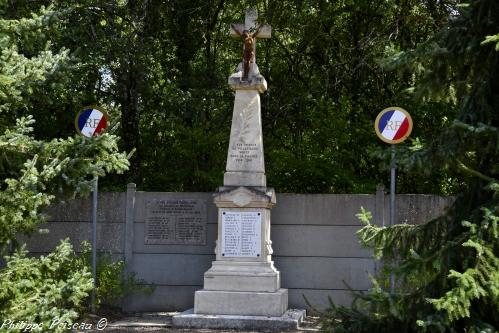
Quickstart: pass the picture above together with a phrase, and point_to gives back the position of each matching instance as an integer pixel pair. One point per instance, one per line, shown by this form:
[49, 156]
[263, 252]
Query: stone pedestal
[243, 279]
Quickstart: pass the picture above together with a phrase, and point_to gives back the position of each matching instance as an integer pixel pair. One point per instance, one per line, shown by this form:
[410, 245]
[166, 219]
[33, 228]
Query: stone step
[290, 320]
[161, 322]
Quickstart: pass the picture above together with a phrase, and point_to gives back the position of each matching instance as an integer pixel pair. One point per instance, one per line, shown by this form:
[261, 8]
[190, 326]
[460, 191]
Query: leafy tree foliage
[447, 271]
[162, 68]
[113, 281]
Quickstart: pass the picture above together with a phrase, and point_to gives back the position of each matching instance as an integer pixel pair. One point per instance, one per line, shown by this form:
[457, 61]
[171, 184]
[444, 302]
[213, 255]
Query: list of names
[176, 221]
[241, 234]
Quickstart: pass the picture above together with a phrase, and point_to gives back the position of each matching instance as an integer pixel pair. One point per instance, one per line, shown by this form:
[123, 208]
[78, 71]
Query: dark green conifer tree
[447, 270]
[35, 171]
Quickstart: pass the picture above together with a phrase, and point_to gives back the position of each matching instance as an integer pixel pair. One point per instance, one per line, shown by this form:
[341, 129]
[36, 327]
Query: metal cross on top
[249, 32]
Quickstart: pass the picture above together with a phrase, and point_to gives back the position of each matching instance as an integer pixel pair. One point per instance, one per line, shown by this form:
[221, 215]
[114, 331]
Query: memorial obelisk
[242, 289]
[243, 279]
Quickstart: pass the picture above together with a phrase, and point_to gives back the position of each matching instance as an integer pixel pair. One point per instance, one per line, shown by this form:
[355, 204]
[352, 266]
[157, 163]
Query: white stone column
[245, 162]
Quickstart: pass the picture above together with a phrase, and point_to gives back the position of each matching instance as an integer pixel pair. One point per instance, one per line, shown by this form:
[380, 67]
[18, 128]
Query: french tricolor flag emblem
[393, 125]
[91, 122]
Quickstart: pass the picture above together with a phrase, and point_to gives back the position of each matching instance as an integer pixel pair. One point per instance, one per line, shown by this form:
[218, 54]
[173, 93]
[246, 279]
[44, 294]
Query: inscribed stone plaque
[241, 234]
[176, 221]
[244, 152]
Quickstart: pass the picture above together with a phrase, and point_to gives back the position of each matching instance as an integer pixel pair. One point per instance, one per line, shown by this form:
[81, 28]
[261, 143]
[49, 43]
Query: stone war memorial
[242, 289]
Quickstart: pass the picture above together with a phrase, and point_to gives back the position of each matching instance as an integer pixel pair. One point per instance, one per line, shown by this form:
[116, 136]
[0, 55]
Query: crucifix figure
[249, 32]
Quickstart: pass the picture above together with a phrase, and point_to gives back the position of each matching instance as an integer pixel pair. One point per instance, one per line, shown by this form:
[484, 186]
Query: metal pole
[392, 204]
[94, 239]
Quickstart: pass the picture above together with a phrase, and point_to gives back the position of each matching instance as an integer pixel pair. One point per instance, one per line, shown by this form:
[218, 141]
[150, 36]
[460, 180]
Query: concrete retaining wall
[314, 242]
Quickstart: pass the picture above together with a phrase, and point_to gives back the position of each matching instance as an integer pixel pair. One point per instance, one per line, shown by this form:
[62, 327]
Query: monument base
[290, 320]
[242, 276]
[243, 303]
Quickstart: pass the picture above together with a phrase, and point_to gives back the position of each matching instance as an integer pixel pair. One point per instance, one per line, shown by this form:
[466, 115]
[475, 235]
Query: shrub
[113, 282]
[42, 290]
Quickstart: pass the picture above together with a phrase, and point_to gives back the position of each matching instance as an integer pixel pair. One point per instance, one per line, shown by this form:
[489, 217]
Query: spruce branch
[473, 172]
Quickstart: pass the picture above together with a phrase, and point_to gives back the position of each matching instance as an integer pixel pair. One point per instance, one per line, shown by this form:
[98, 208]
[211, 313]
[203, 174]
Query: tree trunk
[130, 133]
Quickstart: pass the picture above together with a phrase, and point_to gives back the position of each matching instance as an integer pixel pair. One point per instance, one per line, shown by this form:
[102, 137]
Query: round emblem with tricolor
[91, 121]
[393, 125]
